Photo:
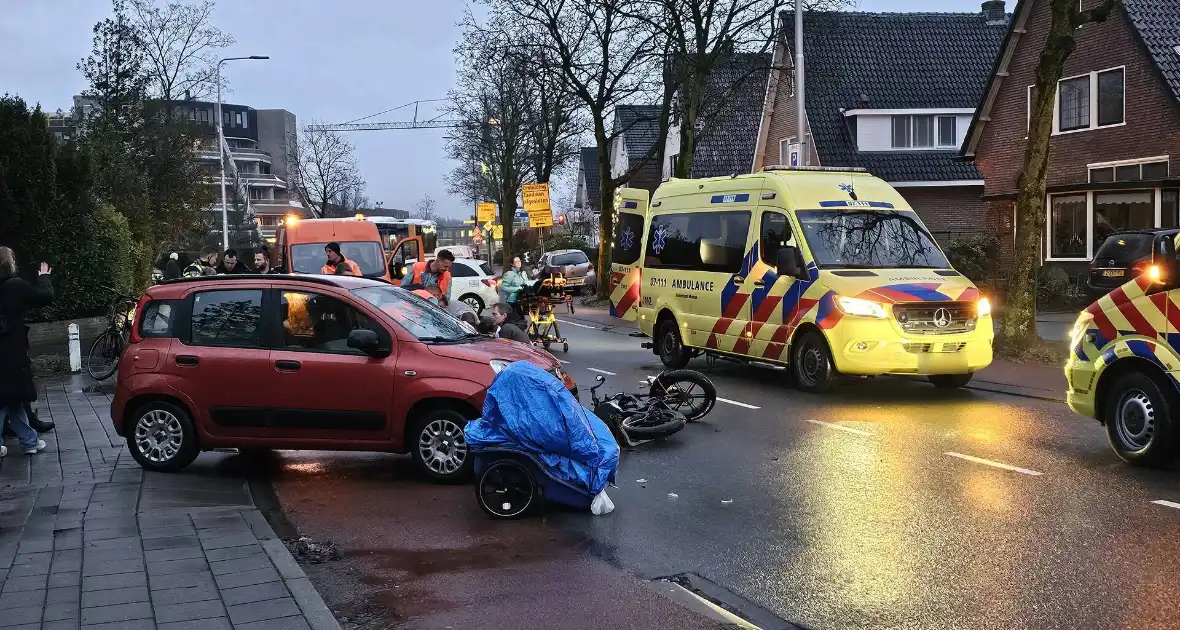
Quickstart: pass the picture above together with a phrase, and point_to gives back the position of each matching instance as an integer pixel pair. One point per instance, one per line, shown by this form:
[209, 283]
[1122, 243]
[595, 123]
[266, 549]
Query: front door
[326, 390]
[407, 252]
[221, 363]
[777, 302]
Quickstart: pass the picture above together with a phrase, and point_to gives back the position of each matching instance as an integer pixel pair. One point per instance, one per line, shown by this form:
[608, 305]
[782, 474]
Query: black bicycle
[103, 360]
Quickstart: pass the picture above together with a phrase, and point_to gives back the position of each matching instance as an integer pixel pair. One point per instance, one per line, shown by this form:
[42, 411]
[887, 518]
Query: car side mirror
[789, 262]
[364, 340]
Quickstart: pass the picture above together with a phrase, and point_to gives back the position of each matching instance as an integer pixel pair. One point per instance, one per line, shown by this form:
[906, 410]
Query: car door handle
[288, 366]
[187, 359]
[759, 283]
[739, 279]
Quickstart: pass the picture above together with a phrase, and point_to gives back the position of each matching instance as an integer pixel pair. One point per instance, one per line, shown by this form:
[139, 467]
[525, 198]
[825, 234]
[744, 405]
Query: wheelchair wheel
[506, 490]
[565, 347]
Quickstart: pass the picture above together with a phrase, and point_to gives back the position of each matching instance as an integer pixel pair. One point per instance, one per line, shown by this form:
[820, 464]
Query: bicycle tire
[652, 423]
[675, 378]
[98, 349]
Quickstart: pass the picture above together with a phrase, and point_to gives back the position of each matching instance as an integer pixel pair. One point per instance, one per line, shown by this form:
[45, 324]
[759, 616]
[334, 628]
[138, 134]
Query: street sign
[498, 231]
[536, 203]
[485, 212]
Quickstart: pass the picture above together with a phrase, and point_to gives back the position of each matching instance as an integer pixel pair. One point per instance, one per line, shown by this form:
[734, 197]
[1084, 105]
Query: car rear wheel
[162, 437]
[1139, 420]
[474, 302]
[439, 446]
[672, 352]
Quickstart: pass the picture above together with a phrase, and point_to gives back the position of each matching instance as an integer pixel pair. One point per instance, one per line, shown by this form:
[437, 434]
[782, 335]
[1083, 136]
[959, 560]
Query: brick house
[893, 93]
[1115, 148]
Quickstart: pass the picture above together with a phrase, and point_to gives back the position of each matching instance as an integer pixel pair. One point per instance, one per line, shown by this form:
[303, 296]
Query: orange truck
[300, 246]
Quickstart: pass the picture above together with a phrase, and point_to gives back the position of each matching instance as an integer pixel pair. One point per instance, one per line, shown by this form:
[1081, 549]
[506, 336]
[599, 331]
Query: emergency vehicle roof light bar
[827, 169]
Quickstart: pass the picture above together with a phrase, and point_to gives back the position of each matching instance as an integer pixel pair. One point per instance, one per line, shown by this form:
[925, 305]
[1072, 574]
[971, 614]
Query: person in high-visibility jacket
[337, 264]
[203, 265]
[435, 272]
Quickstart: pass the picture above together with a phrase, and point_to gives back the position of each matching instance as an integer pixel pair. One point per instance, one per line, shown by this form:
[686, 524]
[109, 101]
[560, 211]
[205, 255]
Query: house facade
[1114, 153]
[893, 93]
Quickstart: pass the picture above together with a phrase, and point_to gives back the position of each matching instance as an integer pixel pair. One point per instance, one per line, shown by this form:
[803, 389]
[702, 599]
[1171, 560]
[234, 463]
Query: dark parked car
[1121, 257]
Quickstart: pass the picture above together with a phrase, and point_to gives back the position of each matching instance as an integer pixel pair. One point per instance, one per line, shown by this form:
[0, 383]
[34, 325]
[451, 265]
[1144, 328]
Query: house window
[1170, 208]
[1154, 170]
[1124, 210]
[1110, 97]
[901, 132]
[947, 132]
[237, 119]
[923, 132]
[1073, 104]
[1135, 171]
[1067, 226]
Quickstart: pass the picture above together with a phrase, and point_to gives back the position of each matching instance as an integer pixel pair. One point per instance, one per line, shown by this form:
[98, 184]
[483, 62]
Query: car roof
[1156, 231]
[566, 251]
[343, 282]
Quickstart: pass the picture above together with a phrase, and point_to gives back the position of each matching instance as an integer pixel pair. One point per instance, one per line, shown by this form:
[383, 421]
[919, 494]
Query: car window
[227, 318]
[774, 235]
[313, 321]
[422, 319]
[462, 270]
[157, 318]
[405, 252]
[310, 257]
[628, 235]
[698, 241]
[486, 269]
[572, 258]
[1123, 250]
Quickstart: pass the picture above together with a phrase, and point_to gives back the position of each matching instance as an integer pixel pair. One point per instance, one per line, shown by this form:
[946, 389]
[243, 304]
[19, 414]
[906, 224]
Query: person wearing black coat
[172, 269]
[16, 372]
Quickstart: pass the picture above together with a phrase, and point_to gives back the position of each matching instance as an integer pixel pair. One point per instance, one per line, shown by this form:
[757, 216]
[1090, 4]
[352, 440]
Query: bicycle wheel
[103, 360]
[687, 391]
[653, 423]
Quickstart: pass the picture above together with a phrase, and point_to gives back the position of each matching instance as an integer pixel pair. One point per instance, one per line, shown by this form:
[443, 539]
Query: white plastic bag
[602, 504]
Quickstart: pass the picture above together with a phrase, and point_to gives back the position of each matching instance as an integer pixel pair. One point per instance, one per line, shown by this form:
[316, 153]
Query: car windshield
[419, 317]
[870, 239]
[1123, 250]
[368, 255]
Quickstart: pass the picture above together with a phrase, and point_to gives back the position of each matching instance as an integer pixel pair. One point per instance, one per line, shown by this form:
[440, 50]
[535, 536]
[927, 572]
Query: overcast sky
[332, 61]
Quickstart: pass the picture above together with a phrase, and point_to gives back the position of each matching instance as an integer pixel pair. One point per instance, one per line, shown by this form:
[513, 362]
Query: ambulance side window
[774, 235]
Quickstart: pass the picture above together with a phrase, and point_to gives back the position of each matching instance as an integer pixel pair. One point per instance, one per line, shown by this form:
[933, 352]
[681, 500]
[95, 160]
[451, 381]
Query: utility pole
[800, 107]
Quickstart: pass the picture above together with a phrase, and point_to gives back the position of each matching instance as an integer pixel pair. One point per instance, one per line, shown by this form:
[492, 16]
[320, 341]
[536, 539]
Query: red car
[304, 362]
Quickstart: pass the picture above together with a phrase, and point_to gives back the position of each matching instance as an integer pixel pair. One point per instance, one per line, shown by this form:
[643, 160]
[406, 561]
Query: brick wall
[947, 211]
[782, 123]
[1152, 115]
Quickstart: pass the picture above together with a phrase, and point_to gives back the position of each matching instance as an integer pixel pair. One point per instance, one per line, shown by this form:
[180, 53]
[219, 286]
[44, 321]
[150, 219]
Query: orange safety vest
[331, 270]
[444, 280]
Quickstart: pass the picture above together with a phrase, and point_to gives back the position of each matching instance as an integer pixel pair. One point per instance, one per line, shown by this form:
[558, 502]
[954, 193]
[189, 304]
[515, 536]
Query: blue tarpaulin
[530, 410]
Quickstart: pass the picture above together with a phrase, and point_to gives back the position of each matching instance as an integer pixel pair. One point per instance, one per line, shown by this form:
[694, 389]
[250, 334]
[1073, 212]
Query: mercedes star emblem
[942, 318]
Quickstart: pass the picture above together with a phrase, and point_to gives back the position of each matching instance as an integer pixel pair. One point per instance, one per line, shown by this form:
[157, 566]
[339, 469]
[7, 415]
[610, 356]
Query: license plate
[573, 281]
[1113, 273]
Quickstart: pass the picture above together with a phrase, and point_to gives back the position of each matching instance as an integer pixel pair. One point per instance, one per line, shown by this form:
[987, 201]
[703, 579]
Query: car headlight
[1080, 326]
[983, 307]
[498, 365]
[862, 308]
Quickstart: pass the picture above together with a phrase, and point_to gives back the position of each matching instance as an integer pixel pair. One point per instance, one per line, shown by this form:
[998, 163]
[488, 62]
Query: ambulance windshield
[870, 239]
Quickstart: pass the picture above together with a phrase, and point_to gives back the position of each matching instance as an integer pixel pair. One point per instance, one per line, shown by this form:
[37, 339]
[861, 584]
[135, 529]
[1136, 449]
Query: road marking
[561, 360]
[988, 462]
[841, 427]
[602, 371]
[578, 325]
[739, 404]
[1171, 504]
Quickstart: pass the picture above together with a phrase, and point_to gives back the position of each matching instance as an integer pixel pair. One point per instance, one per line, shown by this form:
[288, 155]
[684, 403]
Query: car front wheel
[949, 381]
[439, 446]
[812, 364]
[1139, 420]
[162, 437]
[672, 351]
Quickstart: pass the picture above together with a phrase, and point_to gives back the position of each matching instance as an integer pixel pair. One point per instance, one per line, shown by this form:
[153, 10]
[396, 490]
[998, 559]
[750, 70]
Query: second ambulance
[827, 271]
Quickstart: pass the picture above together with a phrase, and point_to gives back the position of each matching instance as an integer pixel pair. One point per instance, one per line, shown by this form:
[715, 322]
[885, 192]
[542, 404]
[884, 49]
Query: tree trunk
[606, 207]
[507, 219]
[688, 129]
[1019, 327]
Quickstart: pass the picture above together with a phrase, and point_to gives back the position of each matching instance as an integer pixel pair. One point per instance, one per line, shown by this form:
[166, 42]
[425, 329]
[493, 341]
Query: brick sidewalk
[90, 540]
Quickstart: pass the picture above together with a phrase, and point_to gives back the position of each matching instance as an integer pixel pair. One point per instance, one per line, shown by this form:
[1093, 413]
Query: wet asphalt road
[861, 509]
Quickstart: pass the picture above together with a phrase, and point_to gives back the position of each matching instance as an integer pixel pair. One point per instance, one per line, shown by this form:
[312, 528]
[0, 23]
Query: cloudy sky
[331, 61]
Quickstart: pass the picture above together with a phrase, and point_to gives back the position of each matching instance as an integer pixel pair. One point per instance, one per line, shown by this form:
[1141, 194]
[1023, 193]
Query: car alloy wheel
[442, 446]
[159, 436]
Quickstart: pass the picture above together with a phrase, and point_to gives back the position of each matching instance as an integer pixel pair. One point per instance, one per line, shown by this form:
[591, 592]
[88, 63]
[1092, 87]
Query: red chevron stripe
[722, 325]
[741, 346]
[712, 342]
[1109, 332]
[1131, 311]
[766, 308]
[734, 308]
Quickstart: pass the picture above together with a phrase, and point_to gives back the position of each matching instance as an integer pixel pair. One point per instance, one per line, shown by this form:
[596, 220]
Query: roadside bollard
[75, 349]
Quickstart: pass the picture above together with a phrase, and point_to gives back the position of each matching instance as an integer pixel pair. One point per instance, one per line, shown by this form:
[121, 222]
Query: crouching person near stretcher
[500, 326]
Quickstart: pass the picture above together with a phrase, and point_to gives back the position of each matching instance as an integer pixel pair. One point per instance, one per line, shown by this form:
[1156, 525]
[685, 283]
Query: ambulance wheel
[812, 364]
[1139, 420]
[672, 351]
[506, 490]
[949, 381]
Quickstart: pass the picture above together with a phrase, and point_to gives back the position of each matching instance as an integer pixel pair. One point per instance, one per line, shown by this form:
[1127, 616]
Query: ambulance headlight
[983, 307]
[861, 308]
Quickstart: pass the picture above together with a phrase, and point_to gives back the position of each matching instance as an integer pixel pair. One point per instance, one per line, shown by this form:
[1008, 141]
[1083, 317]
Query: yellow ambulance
[827, 271]
[630, 219]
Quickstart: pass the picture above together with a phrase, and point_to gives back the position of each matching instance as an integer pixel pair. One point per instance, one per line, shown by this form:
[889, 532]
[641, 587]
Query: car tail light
[1139, 266]
[590, 267]
[489, 282]
[143, 302]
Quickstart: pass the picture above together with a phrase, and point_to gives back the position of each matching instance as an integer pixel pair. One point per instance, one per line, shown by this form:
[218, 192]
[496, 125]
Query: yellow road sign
[485, 212]
[497, 231]
[536, 203]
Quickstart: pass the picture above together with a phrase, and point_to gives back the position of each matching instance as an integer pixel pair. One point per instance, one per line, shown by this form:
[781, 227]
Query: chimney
[993, 10]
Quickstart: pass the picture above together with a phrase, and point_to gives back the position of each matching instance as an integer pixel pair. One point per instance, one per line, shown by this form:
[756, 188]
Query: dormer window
[924, 132]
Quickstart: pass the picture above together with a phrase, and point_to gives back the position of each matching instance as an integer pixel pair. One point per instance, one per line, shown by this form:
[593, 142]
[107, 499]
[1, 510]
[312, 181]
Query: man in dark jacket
[231, 264]
[16, 373]
[504, 328]
[172, 269]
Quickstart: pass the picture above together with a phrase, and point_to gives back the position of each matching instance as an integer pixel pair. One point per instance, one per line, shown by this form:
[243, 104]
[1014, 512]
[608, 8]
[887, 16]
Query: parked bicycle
[673, 399]
[103, 359]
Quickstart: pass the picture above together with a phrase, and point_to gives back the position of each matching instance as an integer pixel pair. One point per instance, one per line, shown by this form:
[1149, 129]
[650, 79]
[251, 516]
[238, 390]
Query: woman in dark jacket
[16, 372]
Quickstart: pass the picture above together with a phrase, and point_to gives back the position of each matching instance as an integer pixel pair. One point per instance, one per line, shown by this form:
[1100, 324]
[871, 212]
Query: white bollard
[75, 349]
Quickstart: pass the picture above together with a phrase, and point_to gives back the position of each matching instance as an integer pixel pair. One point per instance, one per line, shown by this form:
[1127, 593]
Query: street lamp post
[221, 148]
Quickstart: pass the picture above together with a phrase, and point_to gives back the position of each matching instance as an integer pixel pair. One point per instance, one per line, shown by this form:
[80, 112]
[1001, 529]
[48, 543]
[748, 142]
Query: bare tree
[607, 55]
[326, 169]
[181, 46]
[426, 208]
[1019, 328]
[352, 200]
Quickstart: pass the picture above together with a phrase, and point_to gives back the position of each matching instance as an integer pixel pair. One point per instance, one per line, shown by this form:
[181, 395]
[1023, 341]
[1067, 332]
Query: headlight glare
[859, 307]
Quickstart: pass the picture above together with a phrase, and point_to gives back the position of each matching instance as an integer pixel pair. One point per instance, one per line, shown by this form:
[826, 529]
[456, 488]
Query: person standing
[172, 269]
[203, 265]
[262, 262]
[16, 371]
[430, 273]
[230, 263]
[512, 281]
[337, 264]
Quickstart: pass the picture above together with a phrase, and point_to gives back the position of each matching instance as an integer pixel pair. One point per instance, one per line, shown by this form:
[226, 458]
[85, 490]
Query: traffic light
[561, 220]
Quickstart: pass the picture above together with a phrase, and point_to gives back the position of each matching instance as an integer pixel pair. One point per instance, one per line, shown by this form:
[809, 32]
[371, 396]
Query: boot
[39, 425]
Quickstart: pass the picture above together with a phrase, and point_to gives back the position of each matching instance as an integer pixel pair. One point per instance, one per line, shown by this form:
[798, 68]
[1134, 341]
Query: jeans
[14, 416]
